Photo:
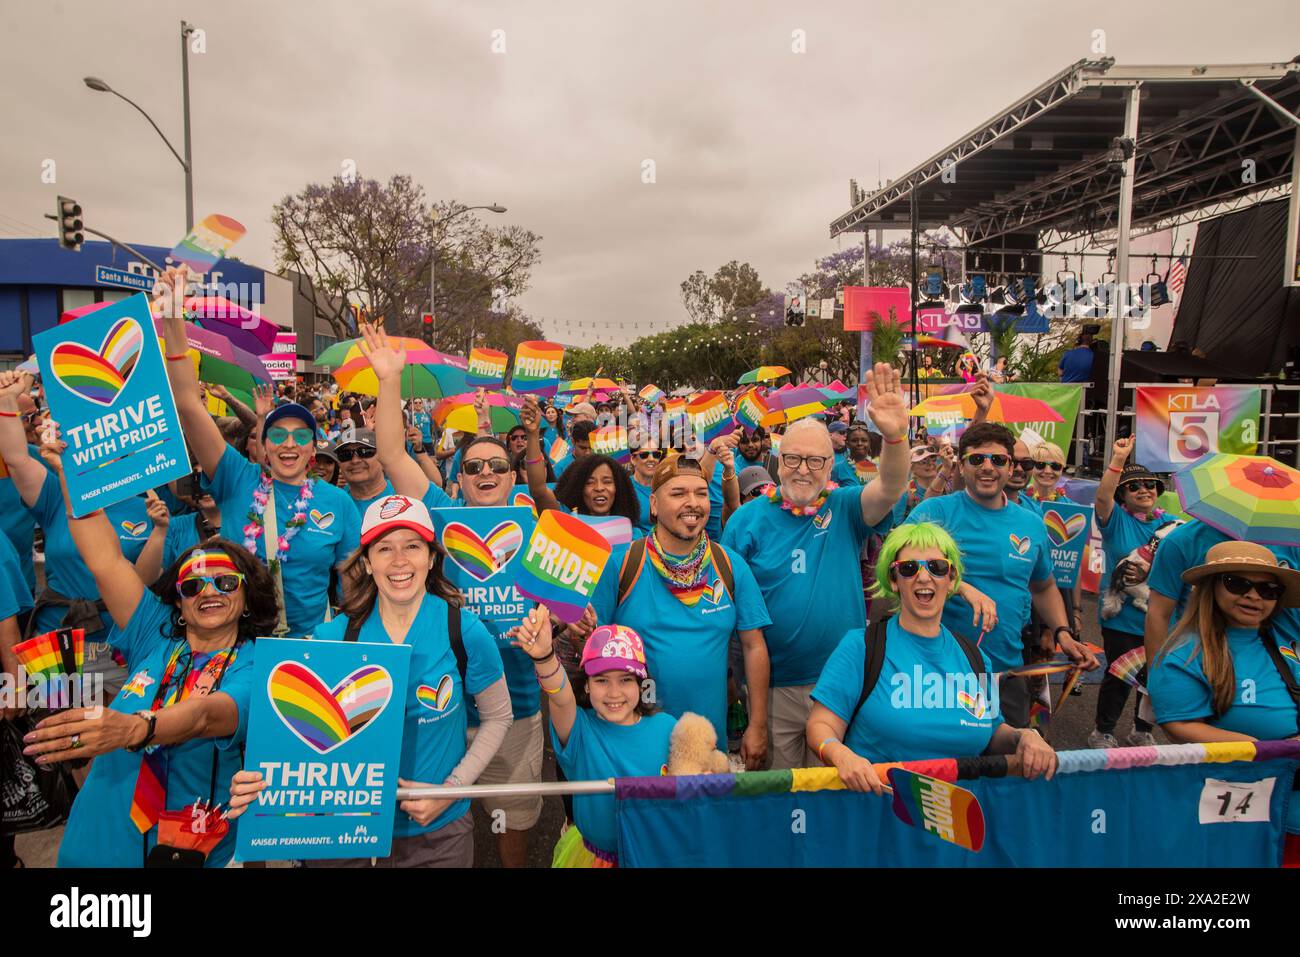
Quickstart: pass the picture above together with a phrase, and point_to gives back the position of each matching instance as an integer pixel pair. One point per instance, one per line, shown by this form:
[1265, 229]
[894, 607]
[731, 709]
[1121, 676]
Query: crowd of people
[788, 574]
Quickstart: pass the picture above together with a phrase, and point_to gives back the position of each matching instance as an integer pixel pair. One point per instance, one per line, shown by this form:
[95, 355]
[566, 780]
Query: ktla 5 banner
[1179, 425]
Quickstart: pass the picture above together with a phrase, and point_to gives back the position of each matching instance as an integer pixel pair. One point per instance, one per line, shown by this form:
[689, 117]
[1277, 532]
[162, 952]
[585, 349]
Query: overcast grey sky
[753, 144]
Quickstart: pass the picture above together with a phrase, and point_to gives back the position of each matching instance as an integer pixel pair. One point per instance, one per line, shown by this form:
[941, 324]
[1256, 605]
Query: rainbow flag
[562, 563]
[208, 243]
[487, 368]
[558, 450]
[612, 441]
[537, 368]
[615, 529]
[710, 416]
[53, 654]
[651, 394]
[751, 410]
[951, 813]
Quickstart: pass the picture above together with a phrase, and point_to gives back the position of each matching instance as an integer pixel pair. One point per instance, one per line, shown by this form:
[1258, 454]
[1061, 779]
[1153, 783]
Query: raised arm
[390, 434]
[888, 409]
[27, 473]
[201, 432]
[148, 564]
[535, 641]
[246, 416]
[1110, 479]
[724, 449]
[97, 543]
[530, 417]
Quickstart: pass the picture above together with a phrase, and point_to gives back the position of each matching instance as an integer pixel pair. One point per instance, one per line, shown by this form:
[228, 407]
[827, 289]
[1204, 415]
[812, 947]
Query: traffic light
[426, 328]
[70, 225]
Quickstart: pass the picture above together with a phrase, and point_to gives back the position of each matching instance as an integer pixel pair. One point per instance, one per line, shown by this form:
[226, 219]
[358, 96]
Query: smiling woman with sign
[173, 732]
[397, 593]
[314, 525]
[908, 688]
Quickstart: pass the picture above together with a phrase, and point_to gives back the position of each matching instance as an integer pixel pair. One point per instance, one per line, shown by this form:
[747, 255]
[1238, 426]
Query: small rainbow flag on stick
[710, 416]
[612, 441]
[1129, 665]
[562, 562]
[651, 394]
[951, 813]
[615, 529]
[208, 243]
[537, 368]
[52, 657]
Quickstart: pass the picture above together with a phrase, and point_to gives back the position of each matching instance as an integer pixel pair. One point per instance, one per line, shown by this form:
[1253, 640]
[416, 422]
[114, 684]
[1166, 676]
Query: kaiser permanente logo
[78, 910]
[975, 695]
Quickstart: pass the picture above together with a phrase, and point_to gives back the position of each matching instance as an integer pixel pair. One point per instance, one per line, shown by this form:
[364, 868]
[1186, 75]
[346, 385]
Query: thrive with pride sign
[562, 563]
[537, 368]
[107, 388]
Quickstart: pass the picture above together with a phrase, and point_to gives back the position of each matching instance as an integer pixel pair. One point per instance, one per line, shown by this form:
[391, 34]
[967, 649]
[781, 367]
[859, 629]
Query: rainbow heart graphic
[99, 377]
[1021, 545]
[134, 528]
[526, 500]
[823, 520]
[481, 558]
[321, 717]
[435, 699]
[715, 592]
[971, 703]
[1289, 652]
[1061, 529]
[323, 520]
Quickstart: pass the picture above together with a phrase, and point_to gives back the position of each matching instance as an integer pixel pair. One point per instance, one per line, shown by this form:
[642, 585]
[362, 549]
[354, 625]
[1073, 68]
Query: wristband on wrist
[183, 355]
[550, 674]
[536, 461]
[823, 745]
[1111, 468]
[151, 719]
[901, 438]
[9, 415]
[564, 679]
[1063, 628]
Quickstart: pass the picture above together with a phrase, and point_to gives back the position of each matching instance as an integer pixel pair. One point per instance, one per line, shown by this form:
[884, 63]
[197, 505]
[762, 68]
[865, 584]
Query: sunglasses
[976, 459]
[939, 568]
[364, 452]
[1054, 466]
[1149, 485]
[499, 466]
[647, 455]
[1269, 591]
[194, 585]
[1026, 465]
[815, 462]
[278, 436]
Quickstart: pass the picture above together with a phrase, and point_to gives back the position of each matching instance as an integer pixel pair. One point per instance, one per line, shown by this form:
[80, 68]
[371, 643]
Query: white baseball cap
[396, 511]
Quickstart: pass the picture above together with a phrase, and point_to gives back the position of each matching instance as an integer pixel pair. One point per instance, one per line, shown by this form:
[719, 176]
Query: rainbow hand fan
[1128, 666]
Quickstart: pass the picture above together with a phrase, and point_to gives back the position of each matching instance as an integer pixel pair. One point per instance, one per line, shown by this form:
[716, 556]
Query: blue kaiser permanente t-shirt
[433, 739]
[364, 503]
[643, 526]
[15, 597]
[100, 832]
[598, 749]
[17, 523]
[182, 535]
[808, 571]
[332, 533]
[685, 645]
[926, 703]
[1003, 550]
[1186, 547]
[1121, 534]
[1262, 709]
[716, 504]
[65, 572]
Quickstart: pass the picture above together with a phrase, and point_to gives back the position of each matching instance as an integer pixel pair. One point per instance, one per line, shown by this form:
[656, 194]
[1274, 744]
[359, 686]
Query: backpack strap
[1283, 669]
[631, 569]
[353, 630]
[972, 654]
[875, 640]
[722, 562]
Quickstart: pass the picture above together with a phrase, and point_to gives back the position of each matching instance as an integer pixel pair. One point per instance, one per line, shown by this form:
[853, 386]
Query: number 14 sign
[1232, 802]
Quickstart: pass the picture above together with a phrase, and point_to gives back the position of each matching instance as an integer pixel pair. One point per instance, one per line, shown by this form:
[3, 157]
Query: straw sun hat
[1228, 557]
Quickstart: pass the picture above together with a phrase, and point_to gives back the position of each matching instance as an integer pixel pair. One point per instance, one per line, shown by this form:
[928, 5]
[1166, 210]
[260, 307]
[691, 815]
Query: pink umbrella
[243, 327]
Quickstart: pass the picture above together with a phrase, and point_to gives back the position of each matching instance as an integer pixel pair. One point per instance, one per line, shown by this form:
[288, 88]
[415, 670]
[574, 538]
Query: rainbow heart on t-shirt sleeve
[1021, 545]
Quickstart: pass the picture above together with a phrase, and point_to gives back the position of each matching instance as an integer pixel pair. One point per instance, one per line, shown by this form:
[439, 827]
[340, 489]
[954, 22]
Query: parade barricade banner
[1178, 425]
[325, 730]
[1216, 805]
[107, 388]
[1069, 527]
[483, 548]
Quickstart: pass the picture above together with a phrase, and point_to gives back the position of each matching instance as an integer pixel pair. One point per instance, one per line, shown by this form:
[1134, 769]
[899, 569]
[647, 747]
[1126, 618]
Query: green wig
[924, 536]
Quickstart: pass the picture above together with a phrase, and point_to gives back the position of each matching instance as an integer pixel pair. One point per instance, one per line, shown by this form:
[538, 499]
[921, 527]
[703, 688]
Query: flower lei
[1056, 494]
[257, 520]
[773, 493]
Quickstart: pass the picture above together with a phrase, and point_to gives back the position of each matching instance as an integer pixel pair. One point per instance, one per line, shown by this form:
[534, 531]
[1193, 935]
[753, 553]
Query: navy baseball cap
[290, 410]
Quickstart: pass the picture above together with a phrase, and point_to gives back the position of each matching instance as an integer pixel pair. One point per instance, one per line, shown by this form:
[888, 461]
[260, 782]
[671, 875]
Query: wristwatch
[151, 719]
[1063, 628]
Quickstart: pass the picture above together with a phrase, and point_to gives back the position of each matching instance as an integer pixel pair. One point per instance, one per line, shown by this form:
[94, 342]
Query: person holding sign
[618, 735]
[173, 733]
[908, 688]
[314, 526]
[802, 542]
[1125, 529]
[71, 597]
[396, 592]
[688, 596]
[1226, 673]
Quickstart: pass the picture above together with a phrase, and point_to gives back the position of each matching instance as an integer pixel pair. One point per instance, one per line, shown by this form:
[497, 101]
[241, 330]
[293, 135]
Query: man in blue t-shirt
[1076, 364]
[686, 612]
[802, 544]
[361, 469]
[1008, 564]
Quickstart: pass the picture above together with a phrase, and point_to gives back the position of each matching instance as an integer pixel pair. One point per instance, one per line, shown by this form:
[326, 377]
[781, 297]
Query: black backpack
[875, 640]
[453, 632]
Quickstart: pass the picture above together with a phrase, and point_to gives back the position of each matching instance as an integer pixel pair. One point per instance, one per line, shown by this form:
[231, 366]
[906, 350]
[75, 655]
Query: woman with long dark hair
[396, 592]
[174, 731]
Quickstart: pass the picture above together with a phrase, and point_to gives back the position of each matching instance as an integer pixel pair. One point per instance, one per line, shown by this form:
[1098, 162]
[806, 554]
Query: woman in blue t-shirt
[396, 592]
[173, 733]
[927, 701]
[1220, 677]
[618, 736]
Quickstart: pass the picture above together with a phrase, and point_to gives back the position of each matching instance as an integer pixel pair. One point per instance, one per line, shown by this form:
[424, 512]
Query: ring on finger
[74, 742]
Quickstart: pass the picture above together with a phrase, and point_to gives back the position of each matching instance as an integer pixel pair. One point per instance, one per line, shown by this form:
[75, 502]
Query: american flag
[1178, 274]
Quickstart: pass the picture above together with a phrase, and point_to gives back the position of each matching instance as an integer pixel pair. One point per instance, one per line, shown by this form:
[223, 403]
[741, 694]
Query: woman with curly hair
[174, 731]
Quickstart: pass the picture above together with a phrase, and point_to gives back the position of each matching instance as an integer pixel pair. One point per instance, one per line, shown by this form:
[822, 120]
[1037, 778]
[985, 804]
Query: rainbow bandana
[207, 564]
[687, 578]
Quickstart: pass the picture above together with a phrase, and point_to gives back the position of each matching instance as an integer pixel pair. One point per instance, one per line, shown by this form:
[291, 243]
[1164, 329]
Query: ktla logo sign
[76, 910]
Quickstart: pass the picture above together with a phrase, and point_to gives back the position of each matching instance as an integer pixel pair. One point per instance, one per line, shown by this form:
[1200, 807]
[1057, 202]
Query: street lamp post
[433, 256]
[99, 86]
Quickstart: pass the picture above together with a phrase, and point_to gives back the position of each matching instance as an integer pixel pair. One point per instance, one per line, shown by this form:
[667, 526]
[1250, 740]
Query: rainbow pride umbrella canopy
[800, 402]
[458, 412]
[1005, 408]
[244, 328]
[582, 385]
[1247, 497]
[343, 352]
[763, 374]
[420, 380]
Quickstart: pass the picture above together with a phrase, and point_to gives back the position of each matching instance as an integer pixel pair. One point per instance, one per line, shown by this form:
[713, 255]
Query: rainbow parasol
[341, 353]
[799, 403]
[763, 374]
[1005, 408]
[458, 412]
[582, 385]
[1247, 497]
[420, 380]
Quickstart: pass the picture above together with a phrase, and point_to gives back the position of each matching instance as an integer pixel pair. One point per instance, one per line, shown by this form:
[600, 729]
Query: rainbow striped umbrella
[582, 385]
[341, 353]
[458, 412]
[1247, 497]
[420, 380]
[1005, 408]
[763, 374]
[800, 403]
